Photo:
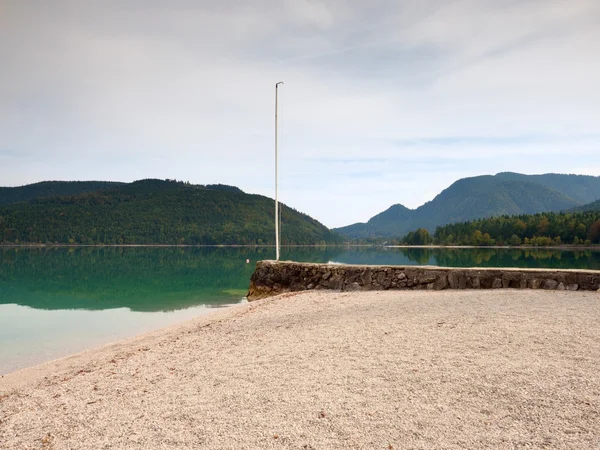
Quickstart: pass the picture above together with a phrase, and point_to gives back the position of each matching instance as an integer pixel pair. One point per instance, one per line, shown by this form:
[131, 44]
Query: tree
[519, 227]
[418, 237]
[543, 226]
[514, 240]
[594, 232]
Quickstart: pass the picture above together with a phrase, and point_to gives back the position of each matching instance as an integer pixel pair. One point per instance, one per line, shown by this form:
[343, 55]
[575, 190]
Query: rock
[572, 287]
[440, 284]
[497, 283]
[336, 282]
[560, 287]
[352, 287]
[426, 280]
[550, 284]
[402, 276]
[588, 282]
[366, 278]
[453, 280]
[387, 283]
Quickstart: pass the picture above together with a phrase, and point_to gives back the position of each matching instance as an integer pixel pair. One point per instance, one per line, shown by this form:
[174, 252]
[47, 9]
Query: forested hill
[51, 189]
[594, 206]
[572, 228]
[157, 212]
[581, 188]
[480, 197]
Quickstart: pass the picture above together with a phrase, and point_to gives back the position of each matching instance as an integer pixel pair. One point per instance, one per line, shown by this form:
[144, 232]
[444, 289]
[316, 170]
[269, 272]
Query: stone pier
[276, 277]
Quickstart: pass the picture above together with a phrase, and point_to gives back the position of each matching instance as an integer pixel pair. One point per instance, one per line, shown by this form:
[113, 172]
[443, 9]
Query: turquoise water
[57, 301]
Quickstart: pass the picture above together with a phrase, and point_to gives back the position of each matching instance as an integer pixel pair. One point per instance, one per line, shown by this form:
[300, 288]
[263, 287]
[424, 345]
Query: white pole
[276, 181]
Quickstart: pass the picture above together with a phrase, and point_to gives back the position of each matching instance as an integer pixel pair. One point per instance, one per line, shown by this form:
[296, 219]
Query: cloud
[383, 102]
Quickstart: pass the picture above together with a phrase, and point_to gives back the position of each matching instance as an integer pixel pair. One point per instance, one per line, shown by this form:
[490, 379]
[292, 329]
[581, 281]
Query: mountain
[51, 189]
[594, 206]
[483, 196]
[581, 188]
[157, 212]
[383, 224]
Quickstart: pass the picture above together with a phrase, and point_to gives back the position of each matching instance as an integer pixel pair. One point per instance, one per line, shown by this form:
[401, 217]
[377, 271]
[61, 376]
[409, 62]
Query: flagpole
[276, 180]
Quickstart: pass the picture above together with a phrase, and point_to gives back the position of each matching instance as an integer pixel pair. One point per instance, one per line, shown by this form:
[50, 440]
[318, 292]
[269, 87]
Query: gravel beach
[499, 369]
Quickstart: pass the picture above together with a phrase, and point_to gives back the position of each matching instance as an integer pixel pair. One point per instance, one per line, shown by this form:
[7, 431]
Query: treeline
[52, 189]
[543, 229]
[158, 212]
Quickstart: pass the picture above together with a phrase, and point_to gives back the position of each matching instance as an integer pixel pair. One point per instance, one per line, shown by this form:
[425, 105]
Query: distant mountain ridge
[153, 212]
[51, 189]
[480, 197]
[581, 188]
[594, 206]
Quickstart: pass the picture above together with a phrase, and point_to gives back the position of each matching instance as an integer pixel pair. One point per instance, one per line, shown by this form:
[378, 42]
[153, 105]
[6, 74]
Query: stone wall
[272, 278]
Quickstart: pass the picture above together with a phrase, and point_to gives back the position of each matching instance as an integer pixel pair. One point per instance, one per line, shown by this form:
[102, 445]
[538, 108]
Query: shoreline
[120, 323]
[165, 245]
[36, 373]
[509, 247]
[451, 369]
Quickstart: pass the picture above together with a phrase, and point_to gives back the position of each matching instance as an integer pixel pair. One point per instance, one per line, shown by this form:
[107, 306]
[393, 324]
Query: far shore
[369, 370]
[175, 245]
[517, 247]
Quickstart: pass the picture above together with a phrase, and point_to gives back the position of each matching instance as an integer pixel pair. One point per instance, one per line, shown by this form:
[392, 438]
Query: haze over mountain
[149, 212]
[480, 197]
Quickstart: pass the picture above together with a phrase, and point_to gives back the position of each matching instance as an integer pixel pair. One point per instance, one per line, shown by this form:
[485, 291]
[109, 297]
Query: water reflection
[56, 301]
[168, 279]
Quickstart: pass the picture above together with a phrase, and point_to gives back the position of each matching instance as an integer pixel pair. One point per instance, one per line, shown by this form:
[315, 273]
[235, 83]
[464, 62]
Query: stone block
[366, 278]
[550, 284]
[352, 287]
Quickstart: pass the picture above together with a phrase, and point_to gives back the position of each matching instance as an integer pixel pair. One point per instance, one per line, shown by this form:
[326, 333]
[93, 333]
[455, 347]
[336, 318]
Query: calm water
[57, 301]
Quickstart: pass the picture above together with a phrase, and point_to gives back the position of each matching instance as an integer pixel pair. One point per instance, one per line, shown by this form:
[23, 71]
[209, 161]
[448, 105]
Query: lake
[57, 301]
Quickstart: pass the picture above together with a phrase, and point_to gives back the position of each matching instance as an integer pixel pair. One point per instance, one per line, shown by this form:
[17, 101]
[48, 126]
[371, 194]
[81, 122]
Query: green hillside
[594, 206]
[528, 229]
[481, 197]
[158, 212]
[51, 189]
[383, 224]
[581, 188]
[488, 196]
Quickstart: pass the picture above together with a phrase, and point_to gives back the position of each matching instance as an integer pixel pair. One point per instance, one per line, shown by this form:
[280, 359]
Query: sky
[384, 102]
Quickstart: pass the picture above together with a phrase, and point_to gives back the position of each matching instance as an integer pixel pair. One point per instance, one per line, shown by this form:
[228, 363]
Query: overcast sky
[385, 101]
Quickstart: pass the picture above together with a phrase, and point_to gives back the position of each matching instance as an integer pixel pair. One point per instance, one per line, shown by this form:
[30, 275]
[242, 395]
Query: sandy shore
[379, 370]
